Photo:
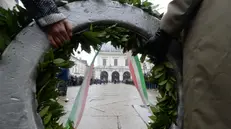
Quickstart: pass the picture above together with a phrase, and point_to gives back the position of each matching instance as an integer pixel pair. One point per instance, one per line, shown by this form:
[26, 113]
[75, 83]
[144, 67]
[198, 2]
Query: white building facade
[112, 64]
[79, 68]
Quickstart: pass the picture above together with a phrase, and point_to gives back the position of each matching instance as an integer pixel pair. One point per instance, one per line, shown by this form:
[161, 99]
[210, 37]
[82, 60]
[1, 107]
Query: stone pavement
[109, 107]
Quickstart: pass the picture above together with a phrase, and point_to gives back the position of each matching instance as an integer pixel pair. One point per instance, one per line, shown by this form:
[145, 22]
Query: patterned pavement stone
[109, 106]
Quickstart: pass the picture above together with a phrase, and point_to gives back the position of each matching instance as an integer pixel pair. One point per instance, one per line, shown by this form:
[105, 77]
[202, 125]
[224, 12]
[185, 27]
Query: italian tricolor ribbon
[137, 77]
[80, 100]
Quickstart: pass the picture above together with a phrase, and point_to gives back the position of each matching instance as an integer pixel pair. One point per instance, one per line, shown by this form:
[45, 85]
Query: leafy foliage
[165, 112]
[49, 108]
[118, 36]
[11, 23]
[145, 6]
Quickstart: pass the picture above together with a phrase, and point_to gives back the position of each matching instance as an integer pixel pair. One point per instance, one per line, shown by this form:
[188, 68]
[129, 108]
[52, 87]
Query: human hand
[59, 32]
[157, 46]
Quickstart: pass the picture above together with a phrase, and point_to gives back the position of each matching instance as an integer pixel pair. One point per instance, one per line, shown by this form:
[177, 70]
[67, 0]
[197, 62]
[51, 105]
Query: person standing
[206, 58]
[48, 17]
[62, 85]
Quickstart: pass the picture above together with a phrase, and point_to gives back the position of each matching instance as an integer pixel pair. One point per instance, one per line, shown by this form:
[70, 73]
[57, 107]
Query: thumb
[68, 28]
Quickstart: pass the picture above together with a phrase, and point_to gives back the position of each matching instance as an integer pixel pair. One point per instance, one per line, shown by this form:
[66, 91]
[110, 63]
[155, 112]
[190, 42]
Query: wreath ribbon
[80, 100]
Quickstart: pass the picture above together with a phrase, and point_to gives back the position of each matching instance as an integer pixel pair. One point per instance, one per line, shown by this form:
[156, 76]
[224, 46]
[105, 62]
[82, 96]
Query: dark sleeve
[178, 15]
[45, 12]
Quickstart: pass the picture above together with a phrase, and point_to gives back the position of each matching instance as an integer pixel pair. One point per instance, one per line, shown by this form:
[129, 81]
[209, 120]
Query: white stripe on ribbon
[136, 77]
[81, 98]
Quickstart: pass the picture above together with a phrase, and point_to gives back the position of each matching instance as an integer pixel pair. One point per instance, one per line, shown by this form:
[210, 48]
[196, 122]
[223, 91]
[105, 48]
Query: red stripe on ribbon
[85, 97]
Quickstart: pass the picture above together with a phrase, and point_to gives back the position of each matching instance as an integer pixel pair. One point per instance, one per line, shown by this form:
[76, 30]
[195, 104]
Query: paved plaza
[109, 106]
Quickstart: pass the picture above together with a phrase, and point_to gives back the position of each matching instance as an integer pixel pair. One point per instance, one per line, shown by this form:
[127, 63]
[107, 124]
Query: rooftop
[107, 47]
[80, 60]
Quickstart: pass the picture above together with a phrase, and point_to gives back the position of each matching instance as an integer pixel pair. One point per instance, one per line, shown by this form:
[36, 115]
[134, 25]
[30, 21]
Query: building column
[97, 74]
[109, 75]
[121, 75]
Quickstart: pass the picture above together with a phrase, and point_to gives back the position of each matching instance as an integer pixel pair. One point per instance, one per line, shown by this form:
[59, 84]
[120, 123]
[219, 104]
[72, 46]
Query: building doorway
[126, 76]
[104, 76]
[115, 77]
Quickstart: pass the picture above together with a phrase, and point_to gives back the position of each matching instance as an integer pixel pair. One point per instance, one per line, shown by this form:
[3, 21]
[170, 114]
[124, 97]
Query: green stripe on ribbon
[78, 99]
[141, 75]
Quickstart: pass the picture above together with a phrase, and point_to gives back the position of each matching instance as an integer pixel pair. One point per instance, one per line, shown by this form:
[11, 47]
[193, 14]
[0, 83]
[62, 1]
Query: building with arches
[112, 64]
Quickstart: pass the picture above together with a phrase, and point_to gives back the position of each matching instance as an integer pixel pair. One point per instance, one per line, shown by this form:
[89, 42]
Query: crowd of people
[62, 85]
[70, 80]
[149, 83]
[75, 81]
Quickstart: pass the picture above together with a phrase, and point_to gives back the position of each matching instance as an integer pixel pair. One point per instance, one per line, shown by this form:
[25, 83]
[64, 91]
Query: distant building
[112, 64]
[79, 68]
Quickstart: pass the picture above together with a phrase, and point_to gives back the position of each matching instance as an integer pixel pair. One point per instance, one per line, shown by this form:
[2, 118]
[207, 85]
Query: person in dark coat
[62, 86]
[206, 59]
[49, 18]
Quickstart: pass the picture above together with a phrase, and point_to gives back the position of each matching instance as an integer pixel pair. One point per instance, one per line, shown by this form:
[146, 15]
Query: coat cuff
[50, 19]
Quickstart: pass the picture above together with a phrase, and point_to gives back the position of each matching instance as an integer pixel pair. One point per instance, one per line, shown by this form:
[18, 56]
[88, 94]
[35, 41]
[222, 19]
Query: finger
[50, 38]
[58, 37]
[65, 35]
[62, 33]
[68, 28]
[61, 37]
[65, 32]
[57, 41]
